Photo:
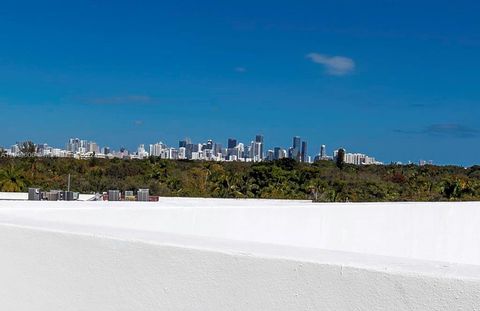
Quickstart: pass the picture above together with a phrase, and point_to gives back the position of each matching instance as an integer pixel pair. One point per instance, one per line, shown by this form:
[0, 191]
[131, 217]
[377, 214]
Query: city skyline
[397, 79]
[311, 152]
[210, 150]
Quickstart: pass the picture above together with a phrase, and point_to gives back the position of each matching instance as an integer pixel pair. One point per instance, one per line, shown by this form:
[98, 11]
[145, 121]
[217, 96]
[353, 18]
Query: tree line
[323, 181]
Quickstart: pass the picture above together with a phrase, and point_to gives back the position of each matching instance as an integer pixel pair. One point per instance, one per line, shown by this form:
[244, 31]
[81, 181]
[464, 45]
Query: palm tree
[317, 188]
[28, 148]
[12, 179]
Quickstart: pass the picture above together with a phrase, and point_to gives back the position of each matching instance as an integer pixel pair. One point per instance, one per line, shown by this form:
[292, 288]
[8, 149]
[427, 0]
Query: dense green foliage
[340, 160]
[284, 179]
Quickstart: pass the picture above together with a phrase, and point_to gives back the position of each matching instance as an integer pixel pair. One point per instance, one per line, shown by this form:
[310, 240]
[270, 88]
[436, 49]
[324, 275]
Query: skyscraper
[141, 151]
[259, 139]
[93, 147]
[157, 149]
[296, 142]
[73, 145]
[232, 142]
[217, 148]
[189, 149]
[246, 151]
[304, 154]
[182, 153]
[270, 155]
[255, 151]
[277, 151]
[239, 150]
[184, 143]
[209, 144]
[323, 151]
[295, 152]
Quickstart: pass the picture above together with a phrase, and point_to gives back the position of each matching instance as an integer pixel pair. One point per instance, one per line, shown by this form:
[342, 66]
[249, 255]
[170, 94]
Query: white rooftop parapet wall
[23, 196]
[431, 231]
[207, 254]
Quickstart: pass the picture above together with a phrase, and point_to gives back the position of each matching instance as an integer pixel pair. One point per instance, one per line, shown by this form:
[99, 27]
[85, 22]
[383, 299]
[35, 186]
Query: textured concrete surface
[200, 254]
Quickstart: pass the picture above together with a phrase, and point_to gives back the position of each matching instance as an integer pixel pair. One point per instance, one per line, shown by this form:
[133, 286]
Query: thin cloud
[120, 100]
[445, 130]
[240, 69]
[455, 130]
[334, 65]
[418, 106]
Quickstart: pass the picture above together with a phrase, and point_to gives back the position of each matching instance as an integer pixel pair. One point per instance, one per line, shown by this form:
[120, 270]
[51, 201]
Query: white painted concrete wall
[13, 196]
[201, 254]
[432, 231]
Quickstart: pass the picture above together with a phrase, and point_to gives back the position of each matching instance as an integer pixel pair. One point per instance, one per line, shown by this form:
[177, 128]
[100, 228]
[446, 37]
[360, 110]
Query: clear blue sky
[395, 79]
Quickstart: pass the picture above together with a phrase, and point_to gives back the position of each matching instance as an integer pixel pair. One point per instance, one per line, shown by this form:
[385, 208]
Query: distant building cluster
[357, 158]
[210, 150]
[425, 162]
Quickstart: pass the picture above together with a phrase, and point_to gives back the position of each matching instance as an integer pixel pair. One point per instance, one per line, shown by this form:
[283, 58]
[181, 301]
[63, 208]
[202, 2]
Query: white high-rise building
[239, 150]
[323, 152]
[255, 151]
[76, 145]
[93, 147]
[141, 153]
[196, 155]
[357, 158]
[157, 149]
[172, 153]
[182, 153]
